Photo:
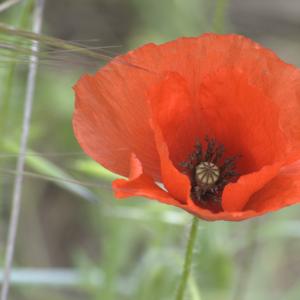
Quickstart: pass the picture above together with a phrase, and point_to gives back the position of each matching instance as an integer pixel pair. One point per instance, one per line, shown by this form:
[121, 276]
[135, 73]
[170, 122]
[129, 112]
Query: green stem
[187, 259]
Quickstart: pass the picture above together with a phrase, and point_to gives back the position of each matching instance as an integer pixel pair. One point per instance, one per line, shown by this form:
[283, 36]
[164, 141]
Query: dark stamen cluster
[219, 171]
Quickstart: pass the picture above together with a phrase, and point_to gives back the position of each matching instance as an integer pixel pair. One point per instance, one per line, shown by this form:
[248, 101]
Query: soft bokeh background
[75, 241]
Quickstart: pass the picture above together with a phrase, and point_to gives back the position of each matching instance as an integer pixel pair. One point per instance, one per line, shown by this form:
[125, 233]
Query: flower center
[206, 174]
[209, 172]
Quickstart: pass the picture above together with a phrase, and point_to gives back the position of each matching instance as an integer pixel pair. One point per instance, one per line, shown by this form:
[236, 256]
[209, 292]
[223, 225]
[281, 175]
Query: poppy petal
[242, 118]
[236, 195]
[283, 190]
[226, 216]
[109, 124]
[177, 184]
[172, 108]
[140, 184]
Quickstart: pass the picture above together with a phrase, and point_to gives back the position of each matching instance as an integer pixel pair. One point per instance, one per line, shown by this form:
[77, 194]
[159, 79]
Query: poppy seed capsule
[206, 174]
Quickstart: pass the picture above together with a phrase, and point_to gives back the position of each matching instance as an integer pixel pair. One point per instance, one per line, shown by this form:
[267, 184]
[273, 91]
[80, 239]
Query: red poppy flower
[208, 124]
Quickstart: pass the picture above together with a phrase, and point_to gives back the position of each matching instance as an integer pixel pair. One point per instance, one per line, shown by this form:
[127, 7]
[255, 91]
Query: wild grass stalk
[16, 200]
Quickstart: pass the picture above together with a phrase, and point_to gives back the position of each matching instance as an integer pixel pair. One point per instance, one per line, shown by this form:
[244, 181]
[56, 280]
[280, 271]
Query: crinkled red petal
[282, 191]
[140, 184]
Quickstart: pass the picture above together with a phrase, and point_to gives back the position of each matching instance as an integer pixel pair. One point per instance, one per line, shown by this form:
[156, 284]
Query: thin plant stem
[187, 259]
[241, 288]
[16, 199]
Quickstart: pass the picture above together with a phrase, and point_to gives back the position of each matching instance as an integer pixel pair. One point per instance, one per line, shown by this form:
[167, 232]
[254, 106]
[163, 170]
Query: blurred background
[75, 241]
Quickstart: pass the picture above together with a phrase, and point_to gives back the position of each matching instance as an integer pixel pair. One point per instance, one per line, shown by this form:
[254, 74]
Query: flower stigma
[209, 172]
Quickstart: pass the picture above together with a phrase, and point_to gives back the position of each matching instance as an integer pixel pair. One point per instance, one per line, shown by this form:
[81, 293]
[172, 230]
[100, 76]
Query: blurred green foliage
[129, 249]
